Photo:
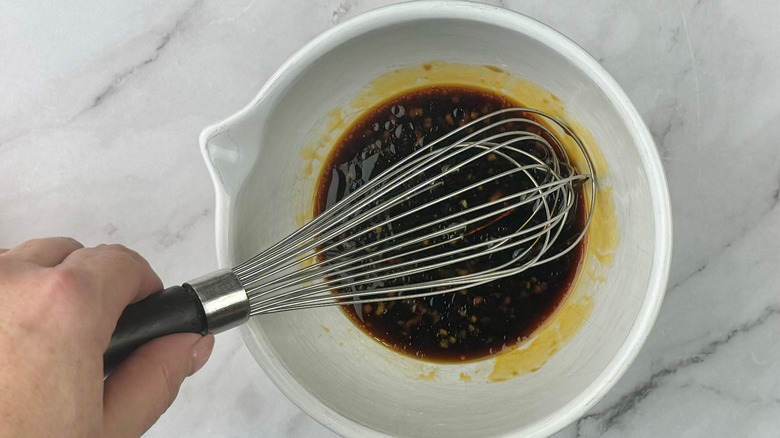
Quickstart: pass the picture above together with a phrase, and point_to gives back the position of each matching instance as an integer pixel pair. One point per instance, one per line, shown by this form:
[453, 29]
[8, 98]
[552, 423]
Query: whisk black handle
[176, 309]
[209, 304]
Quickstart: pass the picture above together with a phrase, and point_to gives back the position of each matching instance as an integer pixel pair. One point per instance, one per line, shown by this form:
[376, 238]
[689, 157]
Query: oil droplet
[494, 68]
[429, 376]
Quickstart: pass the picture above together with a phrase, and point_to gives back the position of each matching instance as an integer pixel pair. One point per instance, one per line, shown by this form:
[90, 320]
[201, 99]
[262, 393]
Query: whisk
[402, 234]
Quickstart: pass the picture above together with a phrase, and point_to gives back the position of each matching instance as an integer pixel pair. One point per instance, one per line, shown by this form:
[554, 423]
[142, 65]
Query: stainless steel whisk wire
[273, 283]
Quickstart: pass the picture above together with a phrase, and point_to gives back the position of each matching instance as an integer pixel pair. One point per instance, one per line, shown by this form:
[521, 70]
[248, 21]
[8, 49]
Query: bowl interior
[268, 158]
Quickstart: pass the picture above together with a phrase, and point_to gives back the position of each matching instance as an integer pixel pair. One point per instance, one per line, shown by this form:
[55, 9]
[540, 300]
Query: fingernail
[201, 351]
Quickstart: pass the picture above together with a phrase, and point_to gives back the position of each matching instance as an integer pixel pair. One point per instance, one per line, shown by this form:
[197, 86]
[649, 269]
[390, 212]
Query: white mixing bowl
[266, 158]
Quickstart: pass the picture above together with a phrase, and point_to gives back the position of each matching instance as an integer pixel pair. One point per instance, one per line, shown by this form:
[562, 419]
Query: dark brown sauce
[464, 325]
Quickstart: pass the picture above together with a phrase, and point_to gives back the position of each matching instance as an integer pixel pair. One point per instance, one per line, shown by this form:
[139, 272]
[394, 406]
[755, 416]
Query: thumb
[143, 386]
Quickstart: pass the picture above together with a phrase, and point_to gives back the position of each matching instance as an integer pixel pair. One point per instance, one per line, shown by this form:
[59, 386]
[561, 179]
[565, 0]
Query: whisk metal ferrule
[225, 302]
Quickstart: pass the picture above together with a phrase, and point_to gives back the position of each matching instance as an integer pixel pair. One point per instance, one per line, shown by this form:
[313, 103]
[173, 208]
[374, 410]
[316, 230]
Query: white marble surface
[102, 103]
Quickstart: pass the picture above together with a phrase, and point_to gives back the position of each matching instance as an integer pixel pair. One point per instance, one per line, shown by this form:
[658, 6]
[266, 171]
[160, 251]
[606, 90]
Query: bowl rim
[462, 10]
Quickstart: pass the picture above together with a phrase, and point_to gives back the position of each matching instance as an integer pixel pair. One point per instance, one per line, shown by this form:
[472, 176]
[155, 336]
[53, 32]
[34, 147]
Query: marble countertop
[102, 103]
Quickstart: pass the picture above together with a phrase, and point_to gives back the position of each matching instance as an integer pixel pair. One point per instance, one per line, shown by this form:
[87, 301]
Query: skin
[60, 303]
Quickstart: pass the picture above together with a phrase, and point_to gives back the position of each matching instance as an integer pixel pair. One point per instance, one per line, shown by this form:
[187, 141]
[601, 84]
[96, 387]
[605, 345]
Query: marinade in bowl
[469, 324]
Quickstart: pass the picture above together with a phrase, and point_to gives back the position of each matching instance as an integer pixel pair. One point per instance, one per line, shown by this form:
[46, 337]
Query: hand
[59, 303]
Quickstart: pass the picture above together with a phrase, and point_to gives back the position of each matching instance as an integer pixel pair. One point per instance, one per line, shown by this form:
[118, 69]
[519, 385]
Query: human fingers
[44, 252]
[142, 387]
[117, 276]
